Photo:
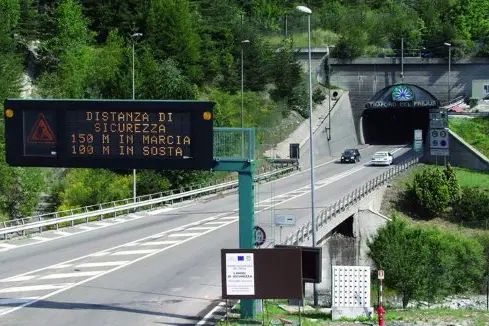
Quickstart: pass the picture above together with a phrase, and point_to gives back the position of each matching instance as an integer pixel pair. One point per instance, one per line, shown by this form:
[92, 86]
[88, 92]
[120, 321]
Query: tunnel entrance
[392, 115]
[393, 126]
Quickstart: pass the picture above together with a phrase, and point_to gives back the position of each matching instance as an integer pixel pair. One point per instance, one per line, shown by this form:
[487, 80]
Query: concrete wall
[462, 155]
[342, 133]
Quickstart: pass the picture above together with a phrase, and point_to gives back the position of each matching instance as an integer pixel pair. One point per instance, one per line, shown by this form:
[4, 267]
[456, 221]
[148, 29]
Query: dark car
[351, 156]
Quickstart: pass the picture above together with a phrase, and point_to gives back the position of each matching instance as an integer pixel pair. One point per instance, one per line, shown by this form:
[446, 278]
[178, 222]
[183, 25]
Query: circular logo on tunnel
[402, 93]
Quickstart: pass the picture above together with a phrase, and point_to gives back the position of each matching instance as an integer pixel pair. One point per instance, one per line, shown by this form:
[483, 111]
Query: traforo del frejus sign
[402, 96]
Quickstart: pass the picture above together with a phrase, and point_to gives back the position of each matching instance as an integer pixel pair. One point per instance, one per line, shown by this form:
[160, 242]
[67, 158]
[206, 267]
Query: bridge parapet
[330, 217]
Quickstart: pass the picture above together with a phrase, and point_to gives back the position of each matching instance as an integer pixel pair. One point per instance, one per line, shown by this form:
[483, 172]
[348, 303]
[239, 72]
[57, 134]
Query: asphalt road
[158, 268]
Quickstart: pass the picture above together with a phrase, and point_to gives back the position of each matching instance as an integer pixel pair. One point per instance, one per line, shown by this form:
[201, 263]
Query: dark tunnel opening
[393, 126]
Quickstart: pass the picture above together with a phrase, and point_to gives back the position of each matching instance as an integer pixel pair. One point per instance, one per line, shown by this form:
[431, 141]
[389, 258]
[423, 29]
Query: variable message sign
[118, 134]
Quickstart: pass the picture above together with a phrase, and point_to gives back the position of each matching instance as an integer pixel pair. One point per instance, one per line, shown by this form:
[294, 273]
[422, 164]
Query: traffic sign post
[438, 133]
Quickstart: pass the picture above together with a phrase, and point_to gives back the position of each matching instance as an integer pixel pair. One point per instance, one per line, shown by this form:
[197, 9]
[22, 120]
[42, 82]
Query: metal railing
[121, 207]
[304, 232]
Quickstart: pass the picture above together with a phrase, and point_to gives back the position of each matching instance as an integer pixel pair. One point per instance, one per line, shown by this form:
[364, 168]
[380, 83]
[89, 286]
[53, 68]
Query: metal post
[329, 96]
[449, 71]
[311, 151]
[242, 96]
[133, 36]
[402, 60]
[242, 103]
[246, 224]
[449, 68]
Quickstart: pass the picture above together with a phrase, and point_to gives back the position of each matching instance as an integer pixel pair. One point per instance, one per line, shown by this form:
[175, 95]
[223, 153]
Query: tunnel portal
[392, 115]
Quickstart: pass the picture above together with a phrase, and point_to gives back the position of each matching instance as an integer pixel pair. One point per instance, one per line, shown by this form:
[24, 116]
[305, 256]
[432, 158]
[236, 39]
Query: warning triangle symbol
[41, 132]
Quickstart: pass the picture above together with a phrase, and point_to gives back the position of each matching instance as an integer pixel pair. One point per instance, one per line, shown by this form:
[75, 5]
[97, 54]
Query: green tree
[172, 34]
[90, 186]
[429, 192]
[404, 257]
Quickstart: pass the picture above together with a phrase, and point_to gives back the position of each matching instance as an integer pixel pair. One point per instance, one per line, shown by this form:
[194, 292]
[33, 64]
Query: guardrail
[304, 232]
[470, 114]
[39, 222]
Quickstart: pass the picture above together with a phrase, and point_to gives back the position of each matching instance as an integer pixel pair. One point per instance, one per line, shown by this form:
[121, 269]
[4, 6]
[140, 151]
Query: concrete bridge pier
[346, 244]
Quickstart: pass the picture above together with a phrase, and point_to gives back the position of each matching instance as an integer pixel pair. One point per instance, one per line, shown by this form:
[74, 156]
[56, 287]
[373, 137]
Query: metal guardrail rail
[305, 231]
[112, 209]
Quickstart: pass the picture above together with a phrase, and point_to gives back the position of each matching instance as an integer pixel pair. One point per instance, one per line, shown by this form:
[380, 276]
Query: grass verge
[274, 313]
[474, 131]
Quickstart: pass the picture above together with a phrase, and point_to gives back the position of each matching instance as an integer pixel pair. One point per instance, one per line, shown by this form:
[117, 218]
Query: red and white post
[381, 310]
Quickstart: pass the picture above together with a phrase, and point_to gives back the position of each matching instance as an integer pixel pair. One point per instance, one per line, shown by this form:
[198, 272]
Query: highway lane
[43, 253]
[327, 191]
[29, 258]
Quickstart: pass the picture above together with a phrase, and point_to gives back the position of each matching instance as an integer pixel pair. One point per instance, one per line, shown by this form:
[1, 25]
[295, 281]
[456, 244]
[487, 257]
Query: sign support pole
[245, 167]
[246, 224]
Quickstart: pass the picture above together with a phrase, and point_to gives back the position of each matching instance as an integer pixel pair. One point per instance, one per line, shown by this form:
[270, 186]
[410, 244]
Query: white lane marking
[163, 210]
[102, 264]
[159, 243]
[62, 233]
[214, 223]
[41, 287]
[19, 278]
[100, 254]
[67, 275]
[131, 244]
[41, 238]
[101, 223]
[72, 285]
[200, 228]
[59, 266]
[7, 245]
[208, 316]
[133, 252]
[8, 301]
[88, 228]
[178, 235]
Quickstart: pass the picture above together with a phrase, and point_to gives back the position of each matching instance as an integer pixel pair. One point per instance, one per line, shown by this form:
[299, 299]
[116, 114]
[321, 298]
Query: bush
[425, 263]
[429, 192]
[473, 205]
[452, 183]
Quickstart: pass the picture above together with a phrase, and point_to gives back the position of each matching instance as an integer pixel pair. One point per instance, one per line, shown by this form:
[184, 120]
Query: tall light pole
[311, 146]
[449, 67]
[402, 60]
[242, 94]
[134, 37]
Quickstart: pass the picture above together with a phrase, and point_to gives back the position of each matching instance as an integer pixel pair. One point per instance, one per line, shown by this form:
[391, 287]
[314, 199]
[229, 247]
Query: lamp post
[134, 37]
[308, 11]
[449, 67]
[242, 95]
[329, 91]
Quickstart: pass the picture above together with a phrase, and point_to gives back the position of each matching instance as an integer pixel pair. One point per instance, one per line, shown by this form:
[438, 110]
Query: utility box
[480, 88]
[294, 152]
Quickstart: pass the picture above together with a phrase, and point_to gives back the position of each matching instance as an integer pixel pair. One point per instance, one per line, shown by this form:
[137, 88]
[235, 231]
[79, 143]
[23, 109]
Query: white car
[382, 158]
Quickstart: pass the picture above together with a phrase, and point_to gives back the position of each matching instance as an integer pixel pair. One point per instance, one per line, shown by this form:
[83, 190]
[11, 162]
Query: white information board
[240, 274]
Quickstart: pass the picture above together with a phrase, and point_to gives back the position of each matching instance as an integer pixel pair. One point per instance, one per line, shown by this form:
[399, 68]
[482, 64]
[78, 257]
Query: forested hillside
[191, 49]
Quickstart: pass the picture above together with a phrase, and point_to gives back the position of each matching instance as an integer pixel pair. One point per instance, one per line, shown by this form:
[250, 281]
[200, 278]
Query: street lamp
[449, 67]
[329, 91]
[134, 37]
[311, 147]
[242, 96]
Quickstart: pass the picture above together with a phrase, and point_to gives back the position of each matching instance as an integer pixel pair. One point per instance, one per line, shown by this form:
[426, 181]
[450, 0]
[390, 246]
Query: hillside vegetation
[191, 49]
[474, 131]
